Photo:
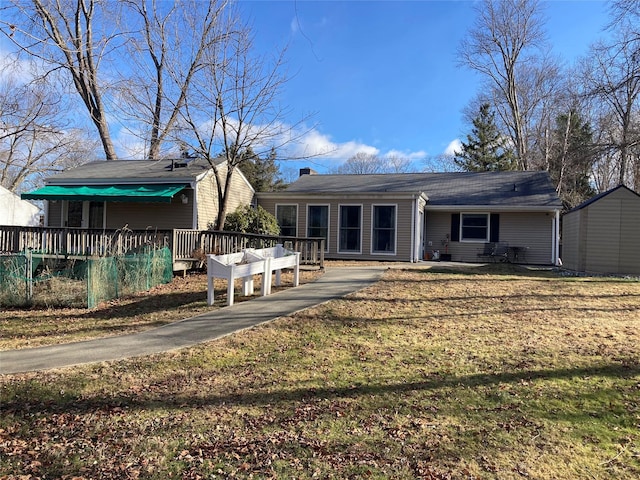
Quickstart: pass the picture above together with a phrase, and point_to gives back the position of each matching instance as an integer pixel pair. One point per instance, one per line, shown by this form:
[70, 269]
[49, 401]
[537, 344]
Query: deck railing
[194, 244]
[185, 245]
[79, 241]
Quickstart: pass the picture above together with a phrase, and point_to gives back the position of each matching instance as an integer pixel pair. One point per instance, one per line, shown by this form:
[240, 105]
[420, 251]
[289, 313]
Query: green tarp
[106, 193]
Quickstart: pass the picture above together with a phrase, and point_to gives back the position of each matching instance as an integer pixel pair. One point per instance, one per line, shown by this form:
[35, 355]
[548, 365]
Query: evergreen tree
[572, 158]
[486, 149]
[262, 173]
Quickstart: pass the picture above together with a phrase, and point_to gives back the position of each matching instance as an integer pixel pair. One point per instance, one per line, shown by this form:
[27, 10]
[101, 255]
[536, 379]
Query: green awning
[107, 193]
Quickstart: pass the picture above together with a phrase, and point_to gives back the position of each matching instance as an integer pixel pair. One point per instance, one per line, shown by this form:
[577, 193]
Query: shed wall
[571, 251]
[630, 236]
[612, 240]
[604, 236]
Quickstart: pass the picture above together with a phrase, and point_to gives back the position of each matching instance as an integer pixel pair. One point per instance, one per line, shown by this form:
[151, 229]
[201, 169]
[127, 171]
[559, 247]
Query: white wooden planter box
[248, 263]
[231, 266]
[279, 258]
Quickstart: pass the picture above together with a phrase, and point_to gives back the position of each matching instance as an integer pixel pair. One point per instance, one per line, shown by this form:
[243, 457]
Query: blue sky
[382, 76]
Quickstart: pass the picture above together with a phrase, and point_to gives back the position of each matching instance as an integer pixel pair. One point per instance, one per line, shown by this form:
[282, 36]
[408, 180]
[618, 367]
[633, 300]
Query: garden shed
[602, 235]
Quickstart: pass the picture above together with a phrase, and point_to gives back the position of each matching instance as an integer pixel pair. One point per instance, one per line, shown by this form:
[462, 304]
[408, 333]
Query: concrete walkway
[335, 283]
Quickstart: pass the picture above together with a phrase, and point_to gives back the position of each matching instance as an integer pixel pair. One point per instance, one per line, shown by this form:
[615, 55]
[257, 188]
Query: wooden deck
[188, 247]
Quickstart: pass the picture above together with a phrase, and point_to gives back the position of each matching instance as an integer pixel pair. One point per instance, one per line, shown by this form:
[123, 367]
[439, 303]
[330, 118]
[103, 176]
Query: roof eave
[494, 208]
[121, 181]
[316, 195]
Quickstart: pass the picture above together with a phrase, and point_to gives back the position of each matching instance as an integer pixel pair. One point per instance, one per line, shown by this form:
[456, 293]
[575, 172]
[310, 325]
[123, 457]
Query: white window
[318, 223]
[383, 238]
[474, 227]
[83, 214]
[350, 235]
[287, 216]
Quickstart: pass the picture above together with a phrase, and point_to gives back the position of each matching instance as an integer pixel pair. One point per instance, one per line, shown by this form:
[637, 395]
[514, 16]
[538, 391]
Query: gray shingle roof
[131, 171]
[443, 189]
[594, 199]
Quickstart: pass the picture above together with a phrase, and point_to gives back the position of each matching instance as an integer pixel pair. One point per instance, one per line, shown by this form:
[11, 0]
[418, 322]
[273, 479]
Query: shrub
[248, 219]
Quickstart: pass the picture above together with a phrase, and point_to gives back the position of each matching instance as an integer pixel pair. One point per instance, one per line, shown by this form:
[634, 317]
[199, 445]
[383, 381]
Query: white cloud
[320, 146]
[419, 155]
[453, 147]
[16, 71]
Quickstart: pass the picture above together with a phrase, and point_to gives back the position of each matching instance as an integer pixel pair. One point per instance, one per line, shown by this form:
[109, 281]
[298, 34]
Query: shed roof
[600, 196]
[507, 189]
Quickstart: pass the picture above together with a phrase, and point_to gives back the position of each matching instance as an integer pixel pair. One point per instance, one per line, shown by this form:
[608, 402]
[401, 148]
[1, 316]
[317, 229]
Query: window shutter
[455, 227]
[494, 227]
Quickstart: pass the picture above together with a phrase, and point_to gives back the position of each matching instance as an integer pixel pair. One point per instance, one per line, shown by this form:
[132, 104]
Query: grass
[184, 297]
[435, 374]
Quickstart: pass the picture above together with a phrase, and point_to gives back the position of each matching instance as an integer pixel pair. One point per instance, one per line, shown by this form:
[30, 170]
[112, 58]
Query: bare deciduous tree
[34, 140]
[64, 35]
[233, 106]
[398, 164]
[363, 163]
[166, 49]
[610, 76]
[507, 46]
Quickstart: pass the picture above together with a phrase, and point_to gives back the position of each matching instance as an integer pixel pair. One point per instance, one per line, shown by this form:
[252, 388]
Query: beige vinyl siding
[405, 227]
[532, 230]
[602, 243]
[240, 194]
[570, 235]
[438, 226]
[54, 214]
[140, 216]
[604, 236]
[207, 202]
[403, 222]
[630, 235]
[612, 239]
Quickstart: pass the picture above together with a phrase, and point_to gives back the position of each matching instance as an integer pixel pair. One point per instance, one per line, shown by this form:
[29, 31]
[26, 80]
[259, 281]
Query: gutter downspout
[555, 247]
[417, 228]
[194, 221]
[414, 213]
